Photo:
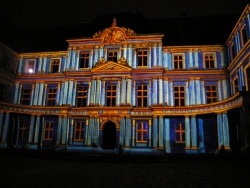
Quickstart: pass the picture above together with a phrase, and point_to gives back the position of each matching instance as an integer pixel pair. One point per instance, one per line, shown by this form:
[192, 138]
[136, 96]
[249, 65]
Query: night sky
[44, 25]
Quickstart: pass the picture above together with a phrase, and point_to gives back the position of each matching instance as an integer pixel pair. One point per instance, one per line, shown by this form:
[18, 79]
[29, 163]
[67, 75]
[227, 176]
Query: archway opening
[109, 136]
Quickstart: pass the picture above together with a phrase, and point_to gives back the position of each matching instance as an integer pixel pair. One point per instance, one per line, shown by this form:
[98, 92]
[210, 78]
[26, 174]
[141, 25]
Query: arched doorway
[109, 136]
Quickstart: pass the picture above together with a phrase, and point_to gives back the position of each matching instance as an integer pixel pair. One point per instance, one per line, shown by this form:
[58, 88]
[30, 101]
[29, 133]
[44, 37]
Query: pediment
[110, 66]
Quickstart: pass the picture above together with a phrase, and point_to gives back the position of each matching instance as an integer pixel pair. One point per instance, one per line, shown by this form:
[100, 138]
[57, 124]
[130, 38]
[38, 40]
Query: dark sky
[45, 25]
[30, 13]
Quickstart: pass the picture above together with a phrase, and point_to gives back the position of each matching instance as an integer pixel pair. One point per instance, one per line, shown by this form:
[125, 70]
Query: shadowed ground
[57, 169]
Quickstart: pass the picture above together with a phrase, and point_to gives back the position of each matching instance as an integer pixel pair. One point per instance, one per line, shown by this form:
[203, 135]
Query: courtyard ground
[59, 169]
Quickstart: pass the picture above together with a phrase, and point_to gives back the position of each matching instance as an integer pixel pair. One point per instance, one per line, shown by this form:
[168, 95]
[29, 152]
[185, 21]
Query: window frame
[178, 61]
[31, 69]
[140, 132]
[181, 132]
[111, 99]
[113, 58]
[178, 99]
[84, 60]
[142, 59]
[79, 132]
[209, 60]
[48, 131]
[51, 65]
[211, 98]
[142, 99]
[82, 98]
[51, 101]
[22, 99]
[243, 35]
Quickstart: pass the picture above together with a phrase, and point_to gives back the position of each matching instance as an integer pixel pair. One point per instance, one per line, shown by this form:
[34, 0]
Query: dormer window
[55, 65]
[30, 65]
[112, 55]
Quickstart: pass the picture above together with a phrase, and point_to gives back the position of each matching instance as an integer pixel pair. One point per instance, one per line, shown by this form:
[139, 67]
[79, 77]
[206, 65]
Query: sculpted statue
[122, 61]
[100, 62]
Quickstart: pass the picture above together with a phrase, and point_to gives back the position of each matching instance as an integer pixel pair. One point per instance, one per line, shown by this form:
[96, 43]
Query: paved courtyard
[54, 169]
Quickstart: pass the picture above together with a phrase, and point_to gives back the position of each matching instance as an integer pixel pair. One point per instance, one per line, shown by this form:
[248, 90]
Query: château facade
[123, 89]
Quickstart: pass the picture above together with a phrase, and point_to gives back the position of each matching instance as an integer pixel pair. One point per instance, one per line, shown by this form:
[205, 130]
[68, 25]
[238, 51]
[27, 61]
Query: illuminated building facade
[122, 89]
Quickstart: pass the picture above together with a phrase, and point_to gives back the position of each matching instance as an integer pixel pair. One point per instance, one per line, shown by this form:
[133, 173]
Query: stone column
[89, 94]
[154, 55]
[44, 95]
[103, 93]
[122, 131]
[161, 133]
[133, 94]
[160, 55]
[1, 123]
[59, 131]
[128, 132]
[16, 93]
[37, 130]
[201, 135]
[31, 131]
[87, 132]
[226, 131]
[150, 133]
[187, 133]
[98, 91]
[118, 92]
[20, 66]
[155, 132]
[160, 91]
[5, 128]
[167, 135]
[133, 140]
[155, 91]
[128, 92]
[220, 130]
[32, 94]
[64, 130]
[123, 91]
[194, 134]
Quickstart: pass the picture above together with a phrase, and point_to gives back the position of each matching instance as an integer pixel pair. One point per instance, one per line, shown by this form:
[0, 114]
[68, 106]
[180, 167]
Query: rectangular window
[180, 133]
[79, 130]
[233, 52]
[51, 96]
[2, 91]
[142, 58]
[112, 55]
[142, 95]
[22, 129]
[244, 37]
[47, 132]
[25, 96]
[179, 95]
[178, 61]
[84, 60]
[141, 131]
[209, 60]
[236, 85]
[211, 93]
[54, 65]
[111, 95]
[81, 97]
[30, 65]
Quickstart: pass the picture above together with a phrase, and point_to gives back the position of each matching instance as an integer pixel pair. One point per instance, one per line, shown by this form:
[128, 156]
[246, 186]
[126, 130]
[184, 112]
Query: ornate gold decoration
[114, 34]
[112, 65]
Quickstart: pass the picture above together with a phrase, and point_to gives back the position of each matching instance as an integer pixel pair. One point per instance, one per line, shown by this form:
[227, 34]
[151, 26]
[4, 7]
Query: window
[81, 97]
[51, 96]
[30, 65]
[179, 95]
[142, 58]
[79, 130]
[2, 91]
[25, 96]
[180, 133]
[209, 60]
[211, 93]
[141, 131]
[84, 60]
[47, 132]
[233, 53]
[248, 78]
[244, 37]
[22, 129]
[236, 85]
[142, 95]
[178, 61]
[112, 55]
[54, 65]
[110, 95]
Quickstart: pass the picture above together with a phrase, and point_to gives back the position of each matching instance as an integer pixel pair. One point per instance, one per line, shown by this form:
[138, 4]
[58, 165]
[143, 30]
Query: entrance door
[109, 136]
